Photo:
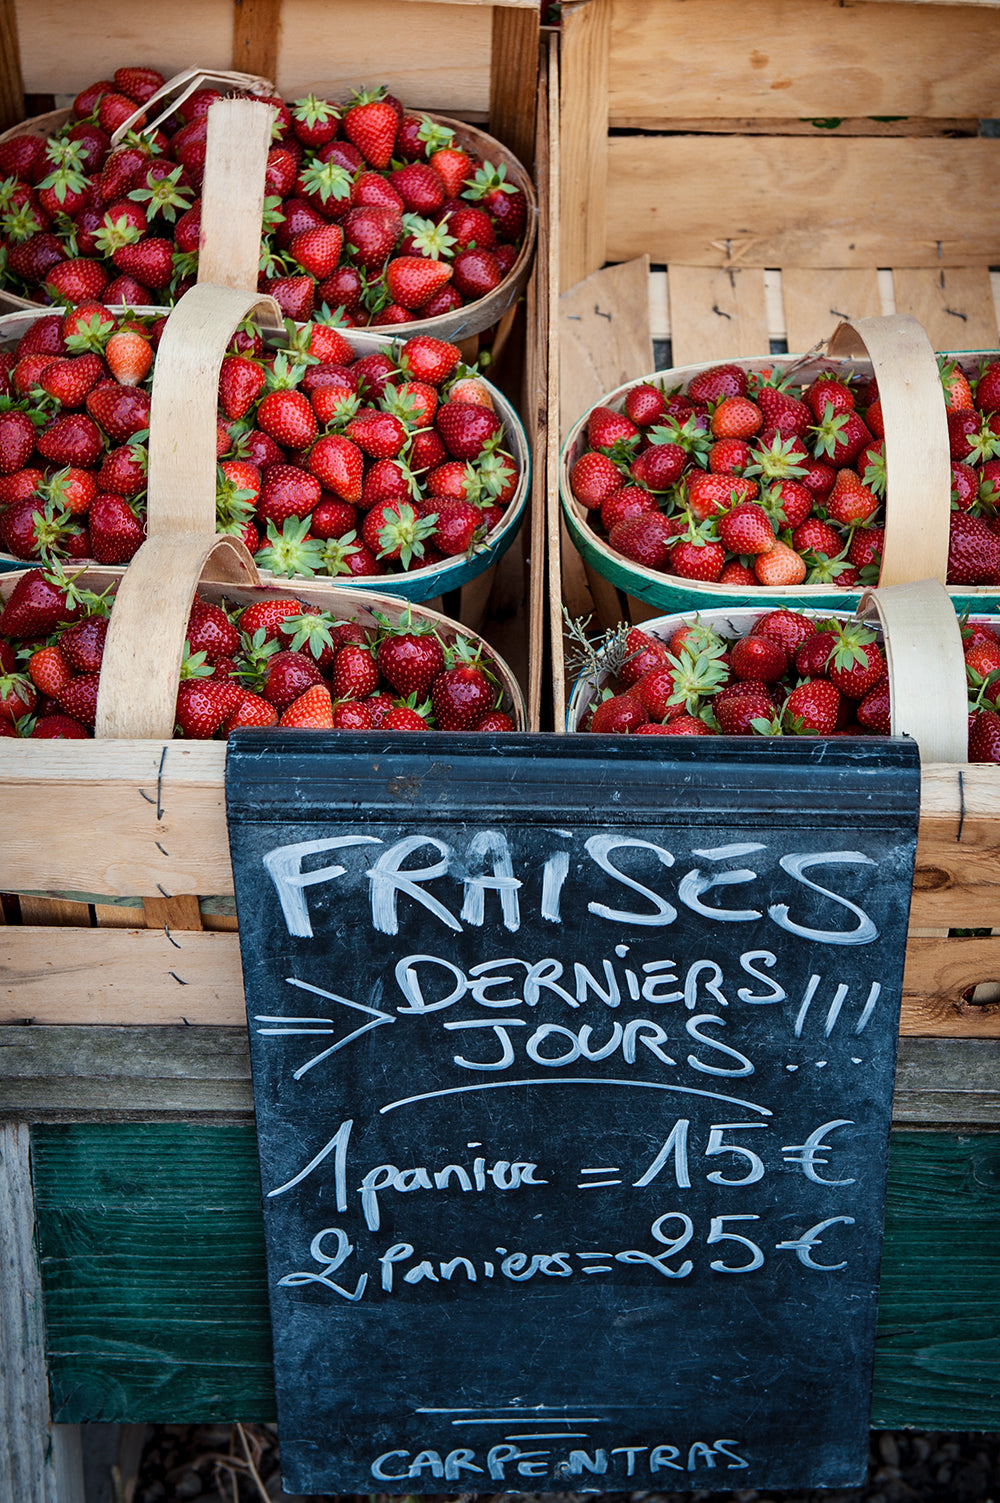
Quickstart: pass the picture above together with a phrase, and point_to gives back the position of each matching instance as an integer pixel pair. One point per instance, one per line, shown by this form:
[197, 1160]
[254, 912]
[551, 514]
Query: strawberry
[372, 125]
[39, 602]
[812, 708]
[984, 736]
[736, 417]
[17, 440]
[355, 673]
[287, 675]
[69, 380]
[626, 502]
[717, 382]
[696, 557]
[312, 710]
[338, 464]
[759, 659]
[18, 696]
[295, 295]
[788, 502]
[49, 671]
[746, 529]
[428, 359]
[738, 705]
[410, 661]
[241, 380]
[317, 250]
[453, 166]
[645, 539]
[73, 439]
[405, 718]
[203, 704]
[377, 433]
[120, 410]
[56, 727]
[659, 467]
[619, 715]
[116, 534]
[466, 428]
[873, 712]
[413, 280]
[817, 536]
[782, 566]
[839, 436]
[287, 417]
[788, 628]
[79, 698]
[987, 393]
[251, 711]
[267, 616]
[459, 528]
[850, 501]
[729, 456]
[828, 391]
[605, 428]
[973, 551]
[710, 495]
[129, 357]
[209, 630]
[645, 404]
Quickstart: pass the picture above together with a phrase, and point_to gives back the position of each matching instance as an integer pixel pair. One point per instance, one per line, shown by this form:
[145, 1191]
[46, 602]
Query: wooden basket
[120, 831]
[947, 984]
[918, 500]
[462, 324]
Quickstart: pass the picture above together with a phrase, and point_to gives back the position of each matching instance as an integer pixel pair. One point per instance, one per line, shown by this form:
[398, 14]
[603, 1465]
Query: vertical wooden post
[586, 37]
[39, 1462]
[11, 83]
[514, 79]
[256, 37]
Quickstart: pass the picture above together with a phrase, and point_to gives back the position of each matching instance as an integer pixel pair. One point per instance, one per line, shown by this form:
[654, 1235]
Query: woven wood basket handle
[184, 402]
[179, 88]
[926, 666]
[144, 649]
[918, 464]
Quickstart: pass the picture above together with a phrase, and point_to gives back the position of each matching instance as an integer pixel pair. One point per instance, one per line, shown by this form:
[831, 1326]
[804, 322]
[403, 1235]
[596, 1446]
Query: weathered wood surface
[856, 202]
[153, 1268]
[799, 58]
[39, 1462]
[583, 141]
[118, 1074]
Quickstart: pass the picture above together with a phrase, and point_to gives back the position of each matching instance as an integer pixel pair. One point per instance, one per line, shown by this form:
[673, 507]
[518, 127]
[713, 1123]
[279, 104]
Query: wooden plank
[153, 1268]
[816, 301]
[256, 25]
[121, 976]
[716, 313]
[957, 876]
[841, 203]
[514, 79]
[603, 335]
[778, 125]
[11, 82]
[39, 1462]
[435, 57]
[954, 304]
[62, 50]
[182, 912]
[54, 911]
[155, 823]
[586, 32]
[800, 58]
[939, 974]
[136, 1073]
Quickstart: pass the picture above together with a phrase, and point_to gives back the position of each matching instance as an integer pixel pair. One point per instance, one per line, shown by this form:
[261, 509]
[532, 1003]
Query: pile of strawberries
[369, 209]
[746, 479]
[328, 463]
[272, 662]
[789, 674]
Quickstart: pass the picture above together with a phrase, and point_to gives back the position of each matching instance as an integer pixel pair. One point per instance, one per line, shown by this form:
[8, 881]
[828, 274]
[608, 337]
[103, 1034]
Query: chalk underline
[646, 1085]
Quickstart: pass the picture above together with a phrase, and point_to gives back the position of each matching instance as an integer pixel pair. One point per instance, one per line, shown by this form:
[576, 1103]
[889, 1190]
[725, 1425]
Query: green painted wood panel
[152, 1260]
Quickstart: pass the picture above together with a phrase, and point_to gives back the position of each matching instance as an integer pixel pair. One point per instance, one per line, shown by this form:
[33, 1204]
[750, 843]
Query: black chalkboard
[573, 1069]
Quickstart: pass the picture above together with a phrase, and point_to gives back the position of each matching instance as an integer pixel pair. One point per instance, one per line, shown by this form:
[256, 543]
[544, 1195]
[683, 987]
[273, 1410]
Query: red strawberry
[697, 558]
[209, 630]
[413, 280]
[710, 495]
[783, 413]
[129, 357]
[850, 501]
[267, 616]
[984, 736]
[289, 674]
[410, 661]
[592, 478]
[736, 417]
[288, 418]
[477, 272]
[405, 718]
[788, 628]
[987, 395]
[729, 456]
[619, 715]
[49, 671]
[372, 125]
[312, 710]
[79, 698]
[746, 529]
[626, 502]
[286, 491]
[758, 658]
[56, 727]
[645, 539]
[241, 381]
[355, 673]
[874, 710]
[828, 391]
[17, 440]
[378, 433]
[338, 464]
[717, 382]
[818, 537]
[120, 410]
[204, 703]
[973, 551]
[659, 467]
[782, 566]
[116, 534]
[73, 439]
[295, 295]
[71, 379]
[645, 405]
[813, 708]
[739, 704]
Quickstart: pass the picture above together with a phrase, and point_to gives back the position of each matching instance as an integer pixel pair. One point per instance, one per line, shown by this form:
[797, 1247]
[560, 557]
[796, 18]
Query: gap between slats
[714, 314]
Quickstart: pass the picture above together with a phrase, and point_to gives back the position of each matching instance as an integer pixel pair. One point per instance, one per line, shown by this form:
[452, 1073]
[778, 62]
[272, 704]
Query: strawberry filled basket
[904, 664]
[388, 215]
[343, 455]
[797, 481]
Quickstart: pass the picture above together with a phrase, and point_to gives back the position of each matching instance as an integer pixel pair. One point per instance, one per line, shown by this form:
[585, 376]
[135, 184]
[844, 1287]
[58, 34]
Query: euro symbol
[805, 1153]
[803, 1246]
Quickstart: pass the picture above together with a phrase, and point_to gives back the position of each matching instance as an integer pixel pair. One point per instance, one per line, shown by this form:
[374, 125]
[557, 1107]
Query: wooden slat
[121, 976]
[716, 313]
[840, 203]
[56, 911]
[514, 79]
[939, 972]
[954, 304]
[603, 335]
[800, 58]
[110, 1073]
[11, 82]
[816, 301]
[778, 125]
[181, 912]
[435, 56]
[256, 25]
[62, 50]
[583, 141]
[184, 1335]
[957, 877]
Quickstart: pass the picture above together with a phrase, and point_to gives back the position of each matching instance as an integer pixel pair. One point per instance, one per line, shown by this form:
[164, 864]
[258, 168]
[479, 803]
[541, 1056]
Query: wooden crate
[472, 58]
[737, 153]
[819, 141]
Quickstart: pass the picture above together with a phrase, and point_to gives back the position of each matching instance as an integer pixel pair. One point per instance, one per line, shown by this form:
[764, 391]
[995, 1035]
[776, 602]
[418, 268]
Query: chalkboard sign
[573, 1069]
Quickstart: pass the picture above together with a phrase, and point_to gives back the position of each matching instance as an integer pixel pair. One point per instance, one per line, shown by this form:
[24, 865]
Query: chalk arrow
[290, 1026]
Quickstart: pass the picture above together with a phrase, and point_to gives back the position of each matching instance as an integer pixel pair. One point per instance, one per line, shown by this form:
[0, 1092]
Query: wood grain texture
[153, 1268]
[815, 301]
[586, 35]
[109, 1074]
[62, 50]
[232, 193]
[153, 975]
[514, 79]
[800, 58]
[939, 975]
[11, 82]
[716, 313]
[954, 304]
[603, 335]
[842, 203]
[256, 36]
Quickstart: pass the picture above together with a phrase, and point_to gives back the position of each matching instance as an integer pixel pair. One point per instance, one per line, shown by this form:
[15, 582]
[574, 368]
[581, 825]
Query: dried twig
[250, 1462]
